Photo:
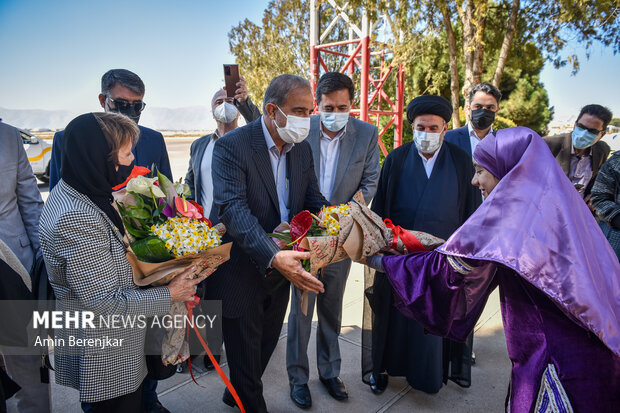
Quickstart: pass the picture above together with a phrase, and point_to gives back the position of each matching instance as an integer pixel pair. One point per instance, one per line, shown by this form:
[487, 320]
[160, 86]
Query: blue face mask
[583, 138]
[334, 121]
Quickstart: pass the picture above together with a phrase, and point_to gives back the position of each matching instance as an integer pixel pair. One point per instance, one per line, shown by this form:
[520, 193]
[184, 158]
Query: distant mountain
[36, 118]
[188, 118]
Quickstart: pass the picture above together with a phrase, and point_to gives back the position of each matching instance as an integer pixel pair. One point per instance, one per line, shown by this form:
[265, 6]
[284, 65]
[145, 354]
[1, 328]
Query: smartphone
[231, 77]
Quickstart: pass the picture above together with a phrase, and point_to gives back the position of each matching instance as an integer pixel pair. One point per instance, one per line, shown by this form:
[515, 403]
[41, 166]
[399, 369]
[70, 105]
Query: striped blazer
[85, 259]
[246, 201]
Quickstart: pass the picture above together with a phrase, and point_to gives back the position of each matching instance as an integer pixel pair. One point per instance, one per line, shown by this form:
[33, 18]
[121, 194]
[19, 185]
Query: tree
[445, 44]
[546, 23]
[279, 46]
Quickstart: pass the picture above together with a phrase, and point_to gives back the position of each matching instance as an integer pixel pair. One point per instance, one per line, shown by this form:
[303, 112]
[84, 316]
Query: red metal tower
[372, 79]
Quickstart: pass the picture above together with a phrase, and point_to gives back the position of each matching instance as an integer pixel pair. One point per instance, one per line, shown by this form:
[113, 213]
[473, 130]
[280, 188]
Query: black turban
[429, 105]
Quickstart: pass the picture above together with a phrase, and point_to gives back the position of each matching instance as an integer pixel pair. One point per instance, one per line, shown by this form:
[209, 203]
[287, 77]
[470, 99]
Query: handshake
[339, 232]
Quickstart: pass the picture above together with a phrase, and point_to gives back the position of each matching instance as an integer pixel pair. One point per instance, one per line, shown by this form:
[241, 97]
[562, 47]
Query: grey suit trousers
[329, 311]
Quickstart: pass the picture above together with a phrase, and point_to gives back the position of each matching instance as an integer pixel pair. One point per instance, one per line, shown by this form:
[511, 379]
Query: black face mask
[482, 118]
[123, 173]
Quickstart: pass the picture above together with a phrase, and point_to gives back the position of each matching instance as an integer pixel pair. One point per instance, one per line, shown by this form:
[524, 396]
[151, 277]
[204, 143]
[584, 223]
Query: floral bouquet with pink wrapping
[166, 234]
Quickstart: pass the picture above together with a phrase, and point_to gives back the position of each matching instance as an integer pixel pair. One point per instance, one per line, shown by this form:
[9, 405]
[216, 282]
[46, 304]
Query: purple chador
[558, 277]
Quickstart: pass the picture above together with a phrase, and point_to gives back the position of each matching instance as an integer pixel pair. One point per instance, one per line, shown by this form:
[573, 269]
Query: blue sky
[54, 53]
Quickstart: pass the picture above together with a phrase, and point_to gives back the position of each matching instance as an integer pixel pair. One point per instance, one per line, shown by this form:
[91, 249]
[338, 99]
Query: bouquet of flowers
[167, 233]
[349, 230]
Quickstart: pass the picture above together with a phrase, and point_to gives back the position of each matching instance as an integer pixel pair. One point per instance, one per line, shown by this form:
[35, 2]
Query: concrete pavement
[490, 374]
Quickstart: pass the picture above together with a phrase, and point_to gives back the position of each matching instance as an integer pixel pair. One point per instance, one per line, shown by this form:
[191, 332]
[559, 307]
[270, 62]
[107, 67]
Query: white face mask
[295, 130]
[334, 121]
[427, 142]
[225, 113]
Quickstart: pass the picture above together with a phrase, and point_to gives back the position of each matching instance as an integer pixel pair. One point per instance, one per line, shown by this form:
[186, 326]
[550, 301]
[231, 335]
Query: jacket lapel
[315, 143]
[262, 162]
[294, 175]
[565, 153]
[347, 145]
[466, 140]
[197, 164]
[597, 154]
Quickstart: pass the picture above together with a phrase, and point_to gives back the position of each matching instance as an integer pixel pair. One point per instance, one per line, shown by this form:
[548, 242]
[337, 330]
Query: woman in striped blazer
[82, 242]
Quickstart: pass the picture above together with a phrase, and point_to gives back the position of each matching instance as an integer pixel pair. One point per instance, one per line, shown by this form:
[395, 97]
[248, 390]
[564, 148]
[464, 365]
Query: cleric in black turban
[425, 185]
[429, 105]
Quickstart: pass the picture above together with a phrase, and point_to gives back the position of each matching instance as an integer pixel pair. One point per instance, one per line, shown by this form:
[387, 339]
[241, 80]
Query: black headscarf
[429, 105]
[86, 164]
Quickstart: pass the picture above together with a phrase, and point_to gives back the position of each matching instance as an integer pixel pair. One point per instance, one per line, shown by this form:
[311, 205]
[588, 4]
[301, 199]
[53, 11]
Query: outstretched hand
[288, 263]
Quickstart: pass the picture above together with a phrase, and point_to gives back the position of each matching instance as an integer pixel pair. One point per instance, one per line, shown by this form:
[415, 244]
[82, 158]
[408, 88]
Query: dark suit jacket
[560, 146]
[246, 200]
[460, 138]
[150, 149]
[193, 179]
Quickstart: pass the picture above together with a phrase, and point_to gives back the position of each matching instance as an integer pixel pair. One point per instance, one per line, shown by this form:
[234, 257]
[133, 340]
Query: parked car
[39, 153]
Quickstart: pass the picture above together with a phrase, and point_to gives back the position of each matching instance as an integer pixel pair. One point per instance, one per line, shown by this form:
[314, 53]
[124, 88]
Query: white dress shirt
[278, 167]
[206, 182]
[330, 152]
[474, 140]
[429, 163]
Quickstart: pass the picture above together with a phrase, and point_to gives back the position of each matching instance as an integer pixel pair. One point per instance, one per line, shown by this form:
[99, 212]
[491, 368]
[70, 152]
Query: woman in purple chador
[558, 277]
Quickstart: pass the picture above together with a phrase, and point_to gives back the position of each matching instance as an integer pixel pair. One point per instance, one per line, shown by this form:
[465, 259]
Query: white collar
[269, 140]
[432, 158]
[340, 134]
[472, 132]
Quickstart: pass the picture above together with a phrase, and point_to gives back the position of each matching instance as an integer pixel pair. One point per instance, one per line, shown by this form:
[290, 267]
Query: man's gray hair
[123, 77]
[279, 88]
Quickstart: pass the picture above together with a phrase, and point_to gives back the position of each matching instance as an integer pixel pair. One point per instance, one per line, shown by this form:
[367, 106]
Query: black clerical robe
[438, 205]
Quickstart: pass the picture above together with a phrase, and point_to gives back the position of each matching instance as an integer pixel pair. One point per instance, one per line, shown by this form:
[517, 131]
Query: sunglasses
[124, 106]
[591, 130]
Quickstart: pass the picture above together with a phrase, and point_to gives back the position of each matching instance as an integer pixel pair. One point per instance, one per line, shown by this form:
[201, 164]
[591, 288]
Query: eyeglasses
[591, 130]
[123, 105]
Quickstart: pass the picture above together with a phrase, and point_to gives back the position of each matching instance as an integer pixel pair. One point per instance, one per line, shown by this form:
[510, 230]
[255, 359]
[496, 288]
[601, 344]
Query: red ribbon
[190, 307]
[412, 243]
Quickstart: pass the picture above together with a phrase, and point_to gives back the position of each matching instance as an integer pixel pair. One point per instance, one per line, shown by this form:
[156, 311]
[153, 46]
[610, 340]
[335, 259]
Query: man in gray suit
[20, 209]
[346, 159]
[581, 153]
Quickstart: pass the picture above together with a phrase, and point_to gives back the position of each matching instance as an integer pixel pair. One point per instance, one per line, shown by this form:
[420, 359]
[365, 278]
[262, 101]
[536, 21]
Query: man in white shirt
[346, 160]
[225, 111]
[481, 111]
